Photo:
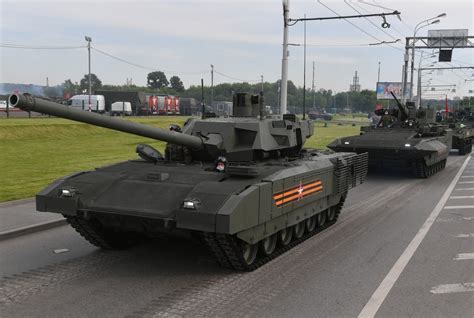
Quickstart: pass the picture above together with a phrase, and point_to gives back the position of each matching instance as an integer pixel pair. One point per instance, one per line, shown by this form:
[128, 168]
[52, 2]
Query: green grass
[34, 152]
[358, 118]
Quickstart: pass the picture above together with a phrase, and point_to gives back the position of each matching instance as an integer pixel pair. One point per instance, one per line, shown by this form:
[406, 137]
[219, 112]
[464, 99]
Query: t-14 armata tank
[243, 183]
[403, 138]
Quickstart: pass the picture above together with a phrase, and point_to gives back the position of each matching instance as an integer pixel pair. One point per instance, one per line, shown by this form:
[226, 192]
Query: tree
[95, 81]
[157, 80]
[176, 84]
[70, 88]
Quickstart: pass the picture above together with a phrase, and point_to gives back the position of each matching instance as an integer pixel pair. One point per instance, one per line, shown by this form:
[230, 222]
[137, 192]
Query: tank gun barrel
[30, 103]
[400, 107]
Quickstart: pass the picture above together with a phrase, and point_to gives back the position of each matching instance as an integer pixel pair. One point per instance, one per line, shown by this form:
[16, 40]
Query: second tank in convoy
[406, 137]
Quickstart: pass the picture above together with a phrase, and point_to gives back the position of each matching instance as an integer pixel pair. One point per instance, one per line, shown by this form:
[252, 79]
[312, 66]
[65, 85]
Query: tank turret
[245, 136]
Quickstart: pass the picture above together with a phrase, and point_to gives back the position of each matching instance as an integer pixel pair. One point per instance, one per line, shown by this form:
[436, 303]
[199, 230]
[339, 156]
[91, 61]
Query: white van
[82, 102]
[121, 108]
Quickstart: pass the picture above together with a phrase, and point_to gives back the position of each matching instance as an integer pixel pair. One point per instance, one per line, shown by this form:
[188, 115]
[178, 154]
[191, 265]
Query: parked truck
[121, 108]
[97, 102]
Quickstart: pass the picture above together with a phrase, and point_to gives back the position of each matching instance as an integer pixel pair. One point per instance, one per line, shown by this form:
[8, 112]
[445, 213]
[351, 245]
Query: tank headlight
[407, 145]
[67, 193]
[191, 204]
[346, 142]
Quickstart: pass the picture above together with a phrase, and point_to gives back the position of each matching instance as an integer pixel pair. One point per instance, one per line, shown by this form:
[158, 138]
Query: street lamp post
[89, 40]
[313, 89]
[417, 28]
[284, 60]
[419, 92]
[378, 75]
[212, 85]
[304, 72]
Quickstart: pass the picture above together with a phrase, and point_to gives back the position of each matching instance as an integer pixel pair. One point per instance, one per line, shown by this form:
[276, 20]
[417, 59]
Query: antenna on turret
[202, 97]
[402, 109]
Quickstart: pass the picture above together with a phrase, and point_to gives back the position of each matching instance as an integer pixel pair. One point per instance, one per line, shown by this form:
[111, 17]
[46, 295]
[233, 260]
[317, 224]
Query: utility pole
[261, 77]
[212, 85]
[313, 89]
[203, 108]
[405, 70]
[347, 101]
[378, 76]
[284, 60]
[89, 40]
[304, 72]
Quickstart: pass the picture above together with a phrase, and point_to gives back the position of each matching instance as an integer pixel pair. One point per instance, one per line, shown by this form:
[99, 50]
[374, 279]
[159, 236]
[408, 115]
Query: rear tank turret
[406, 137]
[245, 184]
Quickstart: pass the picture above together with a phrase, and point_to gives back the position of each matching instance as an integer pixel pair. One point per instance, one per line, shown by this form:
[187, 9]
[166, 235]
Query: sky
[242, 39]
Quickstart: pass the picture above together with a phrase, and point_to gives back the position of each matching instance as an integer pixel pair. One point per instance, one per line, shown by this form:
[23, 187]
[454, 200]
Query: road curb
[31, 229]
[16, 202]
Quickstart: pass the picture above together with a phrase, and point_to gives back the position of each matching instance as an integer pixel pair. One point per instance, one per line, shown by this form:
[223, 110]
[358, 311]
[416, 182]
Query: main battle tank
[404, 138]
[461, 122]
[244, 184]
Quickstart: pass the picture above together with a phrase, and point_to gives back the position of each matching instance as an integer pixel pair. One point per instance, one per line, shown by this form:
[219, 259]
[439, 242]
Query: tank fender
[47, 203]
[240, 212]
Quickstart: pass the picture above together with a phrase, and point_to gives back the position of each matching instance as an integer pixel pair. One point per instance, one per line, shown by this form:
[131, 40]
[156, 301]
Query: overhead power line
[367, 11]
[149, 68]
[234, 78]
[370, 21]
[359, 28]
[40, 47]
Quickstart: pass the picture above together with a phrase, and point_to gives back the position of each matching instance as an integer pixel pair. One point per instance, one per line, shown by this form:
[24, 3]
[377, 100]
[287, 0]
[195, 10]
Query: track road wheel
[285, 236]
[321, 218]
[268, 244]
[299, 230]
[249, 253]
[311, 224]
[331, 214]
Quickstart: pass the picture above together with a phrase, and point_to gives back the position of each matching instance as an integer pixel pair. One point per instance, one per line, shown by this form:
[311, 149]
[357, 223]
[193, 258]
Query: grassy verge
[34, 152]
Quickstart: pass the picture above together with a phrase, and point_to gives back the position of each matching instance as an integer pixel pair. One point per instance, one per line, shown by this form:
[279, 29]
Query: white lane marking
[452, 207]
[462, 197]
[469, 218]
[463, 235]
[466, 182]
[463, 256]
[378, 297]
[464, 189]
[467, 177]
[452, 288]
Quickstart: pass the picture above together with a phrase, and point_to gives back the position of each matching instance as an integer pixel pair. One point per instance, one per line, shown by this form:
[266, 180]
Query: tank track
[421, 170]
[227, 250]
[466, 149]
[95, 234]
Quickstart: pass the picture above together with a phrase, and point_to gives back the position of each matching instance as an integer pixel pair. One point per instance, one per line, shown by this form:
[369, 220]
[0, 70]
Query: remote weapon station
[403, 138]
[243, 183]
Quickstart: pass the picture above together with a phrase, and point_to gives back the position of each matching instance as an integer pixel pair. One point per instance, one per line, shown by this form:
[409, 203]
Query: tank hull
[399, 148]
[139, 199]
[462, 139]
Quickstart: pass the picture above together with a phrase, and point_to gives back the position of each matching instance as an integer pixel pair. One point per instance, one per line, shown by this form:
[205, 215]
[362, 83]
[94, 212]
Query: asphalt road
[402, 247]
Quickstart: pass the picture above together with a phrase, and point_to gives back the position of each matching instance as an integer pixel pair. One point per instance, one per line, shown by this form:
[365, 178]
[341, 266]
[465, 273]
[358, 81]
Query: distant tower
[355, 86]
